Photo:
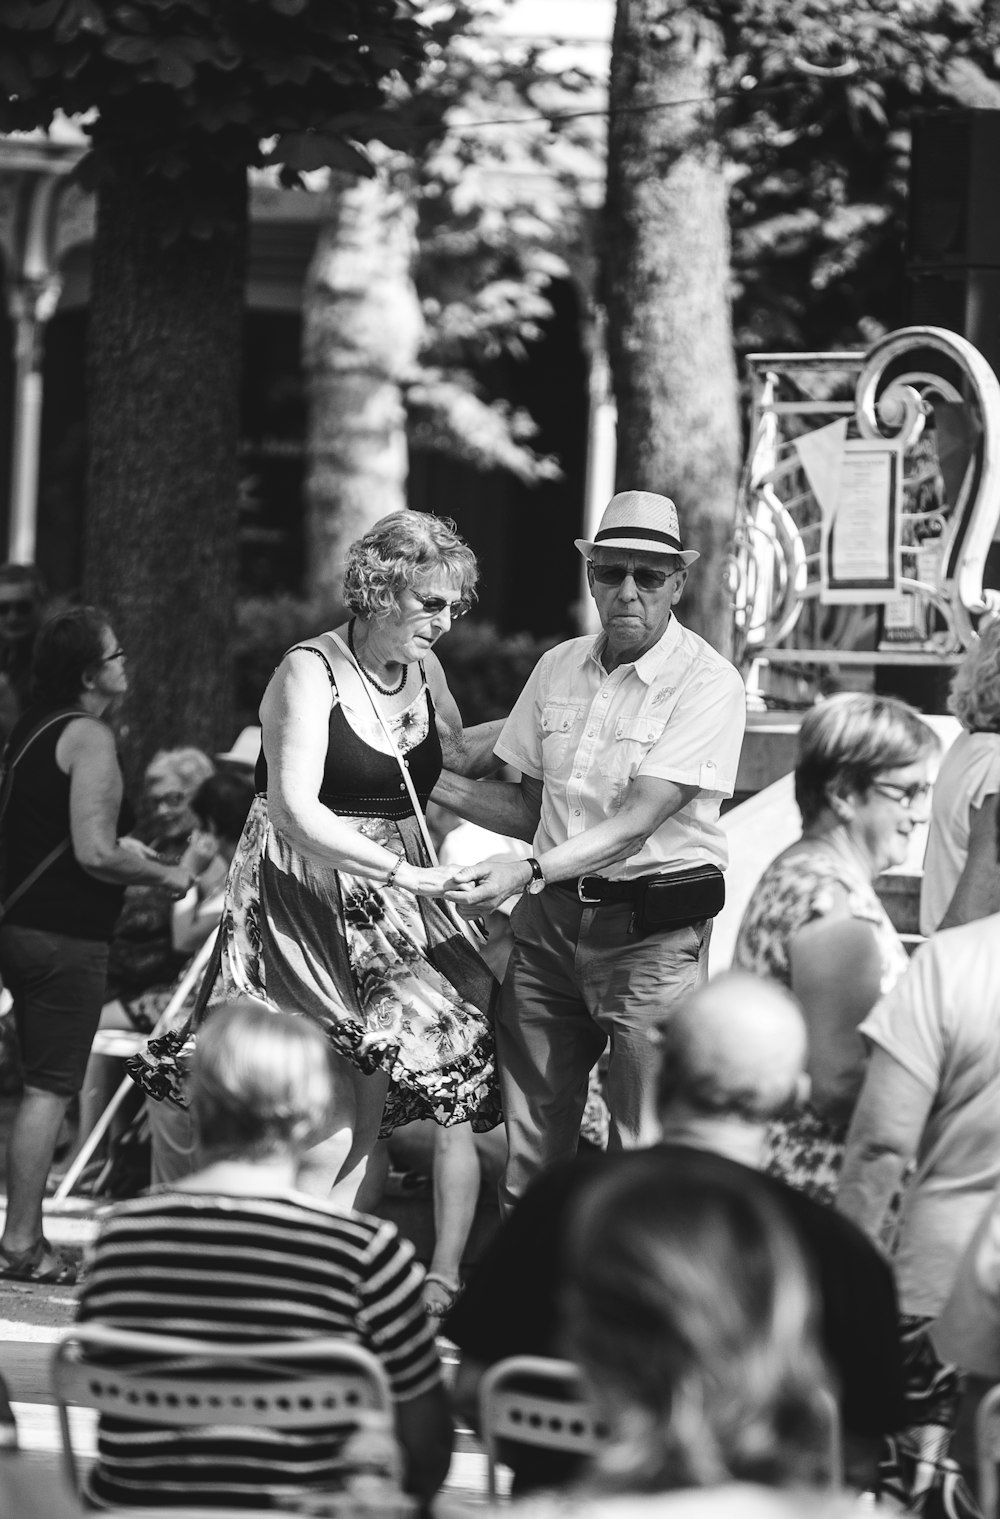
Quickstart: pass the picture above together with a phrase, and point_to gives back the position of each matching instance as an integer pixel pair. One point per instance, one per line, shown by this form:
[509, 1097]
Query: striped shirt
[229, 1268]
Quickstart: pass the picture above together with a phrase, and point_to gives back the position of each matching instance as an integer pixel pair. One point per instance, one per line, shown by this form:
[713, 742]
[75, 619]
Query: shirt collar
[649, 665]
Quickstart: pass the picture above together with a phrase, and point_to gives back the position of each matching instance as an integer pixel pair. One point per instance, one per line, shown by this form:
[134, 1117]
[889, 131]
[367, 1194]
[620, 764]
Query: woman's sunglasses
[435, 605]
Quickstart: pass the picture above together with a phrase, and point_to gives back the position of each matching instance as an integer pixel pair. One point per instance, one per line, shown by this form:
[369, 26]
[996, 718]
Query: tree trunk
[667, 287]
[164, 385]
[362, 332]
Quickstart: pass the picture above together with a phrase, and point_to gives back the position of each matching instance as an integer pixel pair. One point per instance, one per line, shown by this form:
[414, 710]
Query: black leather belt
[594, 889]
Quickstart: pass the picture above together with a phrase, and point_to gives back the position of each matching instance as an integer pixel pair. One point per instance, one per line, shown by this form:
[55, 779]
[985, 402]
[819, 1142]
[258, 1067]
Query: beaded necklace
[385, 690]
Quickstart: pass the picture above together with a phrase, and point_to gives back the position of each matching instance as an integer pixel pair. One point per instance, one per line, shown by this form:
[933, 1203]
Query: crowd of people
[780, 1277]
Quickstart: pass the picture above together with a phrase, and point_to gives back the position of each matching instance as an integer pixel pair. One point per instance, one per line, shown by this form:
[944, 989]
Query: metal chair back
[559, 1418]
[171, 1381]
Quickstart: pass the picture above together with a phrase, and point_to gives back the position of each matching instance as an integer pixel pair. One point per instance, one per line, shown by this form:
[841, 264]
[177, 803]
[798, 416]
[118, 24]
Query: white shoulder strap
[472, 931]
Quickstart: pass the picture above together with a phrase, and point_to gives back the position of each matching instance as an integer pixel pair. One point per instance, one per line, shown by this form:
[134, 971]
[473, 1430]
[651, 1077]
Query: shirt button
[402, 785]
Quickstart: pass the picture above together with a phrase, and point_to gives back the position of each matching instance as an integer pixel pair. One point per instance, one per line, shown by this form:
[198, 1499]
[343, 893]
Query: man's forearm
[469, 751]
[497, 805]
[868, 1182]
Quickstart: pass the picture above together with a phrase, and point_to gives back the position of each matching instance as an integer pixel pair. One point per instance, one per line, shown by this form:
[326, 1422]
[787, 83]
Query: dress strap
[309, 649]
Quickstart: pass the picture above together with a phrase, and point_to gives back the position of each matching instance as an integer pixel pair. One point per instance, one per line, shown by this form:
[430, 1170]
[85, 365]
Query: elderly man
[732, 1059]
[627, 744]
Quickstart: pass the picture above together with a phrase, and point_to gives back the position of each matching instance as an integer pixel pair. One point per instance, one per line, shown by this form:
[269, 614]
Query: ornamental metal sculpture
[933, 401]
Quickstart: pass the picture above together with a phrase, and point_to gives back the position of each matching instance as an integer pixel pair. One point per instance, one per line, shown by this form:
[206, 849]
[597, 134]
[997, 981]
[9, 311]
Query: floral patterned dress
[799, 888]
[389, 977]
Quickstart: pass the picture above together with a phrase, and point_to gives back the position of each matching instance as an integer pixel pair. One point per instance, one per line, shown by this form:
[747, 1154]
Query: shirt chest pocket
[561, 723]
[634, 737]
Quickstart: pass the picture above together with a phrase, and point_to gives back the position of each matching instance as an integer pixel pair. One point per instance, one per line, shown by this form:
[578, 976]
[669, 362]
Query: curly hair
[690, 1309]
[400, 551]
[186, 767]
[975, 688]
[850, 738]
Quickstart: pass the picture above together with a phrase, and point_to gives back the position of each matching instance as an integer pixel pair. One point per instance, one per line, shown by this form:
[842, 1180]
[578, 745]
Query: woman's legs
[30, 1148]
[456, 1192]
[336, 1167]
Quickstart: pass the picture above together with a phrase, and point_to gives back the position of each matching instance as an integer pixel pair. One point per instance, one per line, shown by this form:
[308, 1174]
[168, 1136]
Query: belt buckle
[587, 901]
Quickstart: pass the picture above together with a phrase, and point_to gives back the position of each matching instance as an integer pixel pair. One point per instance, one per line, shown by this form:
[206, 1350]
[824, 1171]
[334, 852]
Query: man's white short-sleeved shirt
[941, 1022]
[678, 714]
[970, 772]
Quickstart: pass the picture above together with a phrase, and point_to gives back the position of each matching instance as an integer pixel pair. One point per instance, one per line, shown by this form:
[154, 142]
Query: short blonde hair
[848, 739]
[261, 1082]
[399, 551]
[187, 768]
[975, 689]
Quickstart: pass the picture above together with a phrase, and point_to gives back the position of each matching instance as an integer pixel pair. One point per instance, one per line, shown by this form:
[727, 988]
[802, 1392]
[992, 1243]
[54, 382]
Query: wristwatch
[537, 882]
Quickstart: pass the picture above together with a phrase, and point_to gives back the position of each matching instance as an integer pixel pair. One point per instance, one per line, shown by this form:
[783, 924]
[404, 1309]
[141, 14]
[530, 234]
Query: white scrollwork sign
[901, 556]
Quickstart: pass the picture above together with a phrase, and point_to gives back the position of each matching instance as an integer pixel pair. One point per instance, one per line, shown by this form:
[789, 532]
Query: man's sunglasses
[16, 608]
[435, 605]
[645, 578]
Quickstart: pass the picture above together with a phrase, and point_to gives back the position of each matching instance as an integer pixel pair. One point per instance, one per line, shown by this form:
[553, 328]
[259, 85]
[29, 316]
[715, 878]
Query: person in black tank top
[334, 907]
[66, 873]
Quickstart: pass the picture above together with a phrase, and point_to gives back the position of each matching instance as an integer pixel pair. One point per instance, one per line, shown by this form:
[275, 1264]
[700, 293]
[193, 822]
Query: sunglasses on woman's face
[435, 605]
[646, 579]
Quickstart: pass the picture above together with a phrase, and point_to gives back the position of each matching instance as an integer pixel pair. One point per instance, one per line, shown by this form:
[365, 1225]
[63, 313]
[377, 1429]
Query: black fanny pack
[680, 899]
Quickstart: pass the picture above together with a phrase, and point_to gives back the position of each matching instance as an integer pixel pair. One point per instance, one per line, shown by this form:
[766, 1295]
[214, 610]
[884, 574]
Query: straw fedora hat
[639, 520]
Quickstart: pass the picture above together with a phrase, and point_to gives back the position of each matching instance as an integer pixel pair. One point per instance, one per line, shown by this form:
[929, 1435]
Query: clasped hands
[478, 889]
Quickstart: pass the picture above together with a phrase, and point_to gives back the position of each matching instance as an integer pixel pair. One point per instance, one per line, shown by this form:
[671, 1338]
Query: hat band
[640, 532]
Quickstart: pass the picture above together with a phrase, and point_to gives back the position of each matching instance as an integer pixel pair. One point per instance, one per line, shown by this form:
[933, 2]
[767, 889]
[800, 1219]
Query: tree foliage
[231, 82]
[507, 192]
[815, 109]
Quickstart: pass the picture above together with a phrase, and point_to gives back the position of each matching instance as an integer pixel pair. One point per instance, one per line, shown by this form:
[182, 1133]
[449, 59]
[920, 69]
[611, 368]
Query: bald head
[736, 1048]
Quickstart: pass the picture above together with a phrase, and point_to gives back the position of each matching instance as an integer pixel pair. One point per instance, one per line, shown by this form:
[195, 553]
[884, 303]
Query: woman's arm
[295, 718]
[883, 1138]
[836, 972]
[85, 751]
[977, 893]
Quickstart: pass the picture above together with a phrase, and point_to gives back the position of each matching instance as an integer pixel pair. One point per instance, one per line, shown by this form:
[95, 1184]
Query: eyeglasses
[906, 796]
[16, 608]
[435, 605]
[646, 579]
[168, 799]
[115, 654]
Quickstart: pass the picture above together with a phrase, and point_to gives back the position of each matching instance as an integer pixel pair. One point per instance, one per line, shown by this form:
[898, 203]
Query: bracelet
[393, 870]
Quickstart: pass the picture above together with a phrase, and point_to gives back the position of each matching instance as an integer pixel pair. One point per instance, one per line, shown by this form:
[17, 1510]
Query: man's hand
[481, 888]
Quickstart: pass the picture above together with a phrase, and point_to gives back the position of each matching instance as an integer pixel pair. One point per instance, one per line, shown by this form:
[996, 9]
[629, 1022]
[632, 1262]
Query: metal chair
[172, 1381]
[559, 1420]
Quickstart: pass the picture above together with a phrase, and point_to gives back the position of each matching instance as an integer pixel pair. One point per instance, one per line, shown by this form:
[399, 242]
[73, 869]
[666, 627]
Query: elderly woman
[690, 1311]
[143, 955]
[961, 880]
[272, 1264]
[815, 922]
[67, 869]
[331, 906]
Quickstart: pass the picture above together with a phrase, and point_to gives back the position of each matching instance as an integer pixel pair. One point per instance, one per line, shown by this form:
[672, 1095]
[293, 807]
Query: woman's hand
[427, 880]
[201, 850]
[144, 851]
[177, 880]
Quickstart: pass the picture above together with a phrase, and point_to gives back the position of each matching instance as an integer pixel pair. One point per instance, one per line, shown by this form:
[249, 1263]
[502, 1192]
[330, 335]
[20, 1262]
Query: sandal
[448, 1294]
[28, 1265]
